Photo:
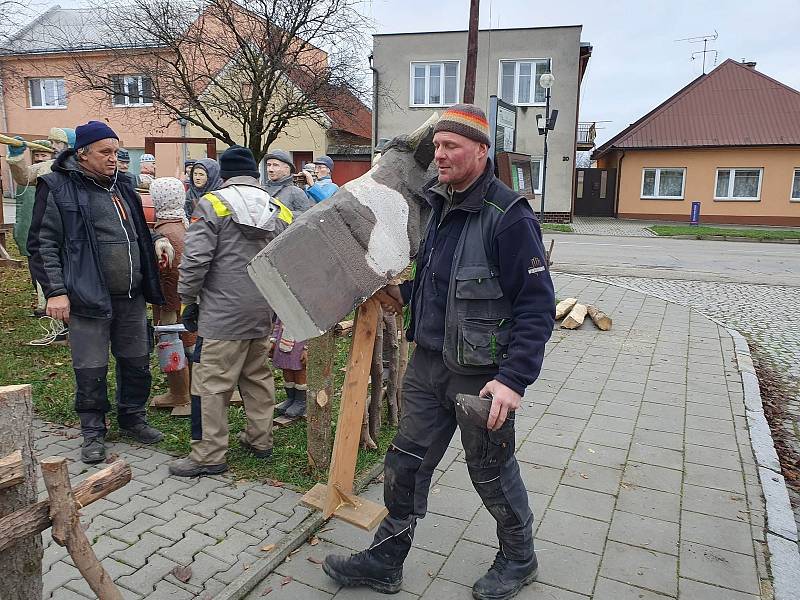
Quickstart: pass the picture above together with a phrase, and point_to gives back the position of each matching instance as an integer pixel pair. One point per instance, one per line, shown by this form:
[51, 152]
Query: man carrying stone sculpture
[482, 309]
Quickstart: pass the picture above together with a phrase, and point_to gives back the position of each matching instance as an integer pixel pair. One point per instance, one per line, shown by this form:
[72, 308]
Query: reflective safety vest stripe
[285, 214]
[219, 207]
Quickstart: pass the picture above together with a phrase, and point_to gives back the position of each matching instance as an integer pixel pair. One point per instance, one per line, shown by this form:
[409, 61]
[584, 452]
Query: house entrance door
[595, 192]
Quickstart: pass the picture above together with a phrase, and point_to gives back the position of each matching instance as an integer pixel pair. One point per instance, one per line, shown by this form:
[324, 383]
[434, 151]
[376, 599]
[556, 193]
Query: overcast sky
[637, 62]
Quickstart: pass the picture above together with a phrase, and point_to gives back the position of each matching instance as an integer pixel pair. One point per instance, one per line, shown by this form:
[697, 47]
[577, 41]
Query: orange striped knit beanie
[467, 120]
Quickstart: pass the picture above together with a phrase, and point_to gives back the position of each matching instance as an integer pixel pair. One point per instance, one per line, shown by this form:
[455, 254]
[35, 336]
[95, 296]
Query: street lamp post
[546, 80]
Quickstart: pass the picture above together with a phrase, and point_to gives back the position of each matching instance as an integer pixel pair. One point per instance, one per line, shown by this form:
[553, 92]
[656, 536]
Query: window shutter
[119, 93]
[35, 86]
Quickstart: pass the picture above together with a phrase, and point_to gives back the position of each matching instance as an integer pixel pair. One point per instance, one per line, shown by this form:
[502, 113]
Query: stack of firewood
[573, 313]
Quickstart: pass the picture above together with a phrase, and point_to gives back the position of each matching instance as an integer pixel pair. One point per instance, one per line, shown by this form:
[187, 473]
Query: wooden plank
[362, 513]
[35, 518]
[601, 319]
[12, 471]
[351, 410]
[284, 421]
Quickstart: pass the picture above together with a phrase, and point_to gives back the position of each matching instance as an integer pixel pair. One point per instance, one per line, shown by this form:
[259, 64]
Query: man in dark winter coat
[93, 255]
[482, 309]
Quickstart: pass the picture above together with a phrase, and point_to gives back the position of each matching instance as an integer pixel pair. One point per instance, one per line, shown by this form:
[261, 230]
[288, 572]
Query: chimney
[751, 64]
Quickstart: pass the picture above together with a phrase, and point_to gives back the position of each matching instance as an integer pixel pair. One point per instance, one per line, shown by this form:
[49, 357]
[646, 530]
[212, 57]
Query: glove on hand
[15, 151]
[189, 316]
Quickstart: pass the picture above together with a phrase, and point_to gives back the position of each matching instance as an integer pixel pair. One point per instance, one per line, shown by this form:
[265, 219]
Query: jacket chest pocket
[73, 224]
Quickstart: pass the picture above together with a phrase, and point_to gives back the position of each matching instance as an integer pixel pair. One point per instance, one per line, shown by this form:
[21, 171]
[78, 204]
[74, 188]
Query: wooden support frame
[337, 498]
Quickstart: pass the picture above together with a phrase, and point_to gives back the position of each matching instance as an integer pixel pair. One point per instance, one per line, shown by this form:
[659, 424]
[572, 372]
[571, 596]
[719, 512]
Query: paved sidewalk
[157, 522]
[634, 448]
[611, 226]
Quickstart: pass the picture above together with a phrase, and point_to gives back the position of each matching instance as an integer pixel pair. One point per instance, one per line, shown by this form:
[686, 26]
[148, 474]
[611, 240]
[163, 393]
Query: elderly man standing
[281, 183]
[482, 309]
[323, 187]
[93, 255]
[230, 225]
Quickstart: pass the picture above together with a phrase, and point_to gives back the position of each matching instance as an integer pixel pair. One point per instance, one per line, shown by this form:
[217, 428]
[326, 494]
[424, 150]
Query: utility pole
[472, 52]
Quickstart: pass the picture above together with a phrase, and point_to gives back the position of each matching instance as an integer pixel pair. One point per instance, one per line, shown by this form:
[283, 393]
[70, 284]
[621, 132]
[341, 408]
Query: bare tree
[583, 160]
[241, 70]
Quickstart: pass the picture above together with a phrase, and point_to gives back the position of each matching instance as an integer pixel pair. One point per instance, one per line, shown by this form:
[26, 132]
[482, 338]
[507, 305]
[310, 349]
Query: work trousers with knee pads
[427, 425]
[89, 339]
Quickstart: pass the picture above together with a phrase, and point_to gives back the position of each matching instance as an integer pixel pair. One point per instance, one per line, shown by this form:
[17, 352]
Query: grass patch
[49, 370]
[756, 234]
[561, 227]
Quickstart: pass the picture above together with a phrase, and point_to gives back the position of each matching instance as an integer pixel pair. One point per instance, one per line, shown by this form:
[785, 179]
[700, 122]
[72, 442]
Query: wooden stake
[575, 317]
[403, 363]
[35, 518]
[563, 307]
[376, 378]
[321, 354]
[390, 322]
[337, 496]
[601, 319]
[67, 530]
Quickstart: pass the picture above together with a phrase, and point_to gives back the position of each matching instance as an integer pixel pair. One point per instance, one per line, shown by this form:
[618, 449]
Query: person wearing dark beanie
[238, 161]
[230, 225]
[92, 132]
[97, 268]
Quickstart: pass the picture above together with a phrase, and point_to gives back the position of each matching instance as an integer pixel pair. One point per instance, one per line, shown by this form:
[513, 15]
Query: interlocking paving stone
[646, 532]
[175, 528]
[231, 546]
[697, 589]
[218, 525]
[572, 530]
[134, 529]
[719, 567]
[557, 567]
[592, 477]
[136, 555]
[653, 477]
[190, 544]
[640, 567]
[715, 531]
[168, 591]
[208, 506]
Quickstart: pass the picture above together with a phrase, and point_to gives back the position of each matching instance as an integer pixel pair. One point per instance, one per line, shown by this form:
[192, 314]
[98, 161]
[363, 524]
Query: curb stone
[262, 567]
[782, 535]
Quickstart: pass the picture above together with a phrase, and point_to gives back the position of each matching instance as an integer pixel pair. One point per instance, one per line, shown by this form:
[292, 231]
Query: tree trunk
[376, 376]
[67, 529]
[21, 565]
[393, 347]
[321, 355]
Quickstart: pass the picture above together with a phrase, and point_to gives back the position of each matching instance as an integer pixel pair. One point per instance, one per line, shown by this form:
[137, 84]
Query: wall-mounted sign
[502, 126]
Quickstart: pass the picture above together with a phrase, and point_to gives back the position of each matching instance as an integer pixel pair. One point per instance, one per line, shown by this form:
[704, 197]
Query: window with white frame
[434, 83]
[519, 80]
[796, 185]
[536, 174]
[738, 184]
[663, 183]
[47, 93]
[132, 90]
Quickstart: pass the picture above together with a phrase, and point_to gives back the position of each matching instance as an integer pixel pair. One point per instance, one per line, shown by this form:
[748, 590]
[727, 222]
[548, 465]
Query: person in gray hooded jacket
[229, 226]
[281, 183]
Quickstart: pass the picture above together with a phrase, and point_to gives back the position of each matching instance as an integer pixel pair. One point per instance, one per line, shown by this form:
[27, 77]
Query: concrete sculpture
[344, 249]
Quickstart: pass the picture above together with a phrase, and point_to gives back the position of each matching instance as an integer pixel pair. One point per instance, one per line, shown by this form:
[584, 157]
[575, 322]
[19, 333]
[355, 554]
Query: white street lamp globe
[547, 80]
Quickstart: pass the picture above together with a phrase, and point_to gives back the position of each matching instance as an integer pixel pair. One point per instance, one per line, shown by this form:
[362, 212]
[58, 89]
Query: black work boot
[93, 450]
[142, 432]
[367, 567]
[186, 467]
[298, 409]
[505, 578]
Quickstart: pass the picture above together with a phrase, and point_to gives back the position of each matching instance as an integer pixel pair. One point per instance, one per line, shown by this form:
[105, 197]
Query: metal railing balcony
[586, 135]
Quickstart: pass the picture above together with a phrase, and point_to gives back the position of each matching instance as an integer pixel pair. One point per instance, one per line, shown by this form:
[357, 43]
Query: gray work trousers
[427, 425]
[126, 332]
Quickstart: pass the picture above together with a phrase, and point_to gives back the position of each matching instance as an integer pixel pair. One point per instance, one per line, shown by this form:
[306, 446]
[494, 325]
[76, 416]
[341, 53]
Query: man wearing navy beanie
[92, 253]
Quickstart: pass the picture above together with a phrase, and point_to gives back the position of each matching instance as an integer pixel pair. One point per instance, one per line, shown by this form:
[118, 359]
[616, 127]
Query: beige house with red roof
[729, 140]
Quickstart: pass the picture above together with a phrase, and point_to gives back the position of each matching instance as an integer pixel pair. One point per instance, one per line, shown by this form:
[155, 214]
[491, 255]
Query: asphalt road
[666, 258]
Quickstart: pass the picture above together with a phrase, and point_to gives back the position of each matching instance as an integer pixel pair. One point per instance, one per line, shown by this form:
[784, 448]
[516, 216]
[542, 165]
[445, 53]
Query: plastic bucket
[171, 356]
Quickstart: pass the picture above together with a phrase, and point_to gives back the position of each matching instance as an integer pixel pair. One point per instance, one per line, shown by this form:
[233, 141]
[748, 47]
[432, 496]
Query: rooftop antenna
[704, 39]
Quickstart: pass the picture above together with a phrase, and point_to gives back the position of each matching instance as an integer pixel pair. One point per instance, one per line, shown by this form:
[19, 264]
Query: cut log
[376, 377]
[35, 518]
[575, 318]
[563, 307]
[393, 358]
[403, 363]
[12, 471]
[21, 566]
[67, 530]
[319, 436]
[601, 319]
[343, 328]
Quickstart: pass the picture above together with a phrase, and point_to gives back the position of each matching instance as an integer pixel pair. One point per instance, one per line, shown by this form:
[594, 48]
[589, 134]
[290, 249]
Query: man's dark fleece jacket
[517, 241]
[89, 239]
